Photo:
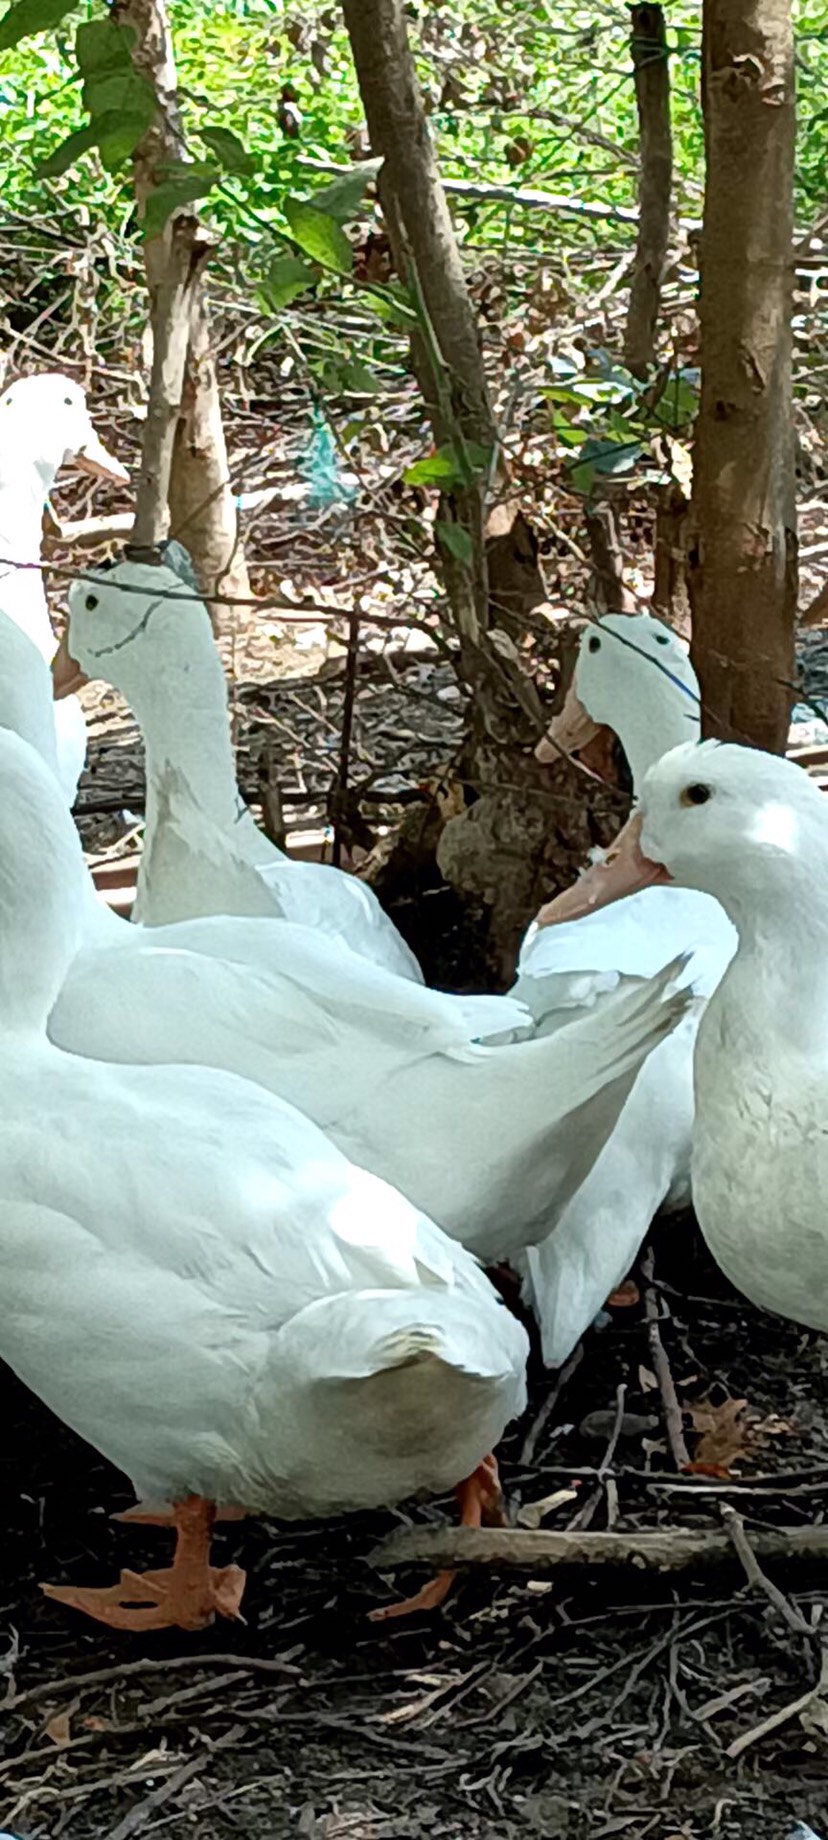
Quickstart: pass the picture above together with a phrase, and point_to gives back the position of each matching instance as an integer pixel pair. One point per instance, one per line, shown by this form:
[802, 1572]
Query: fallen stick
[562, 1378]
[783, 1716]
[92, 529]
[673, 1421]
[744, 1545]
[668, 1550]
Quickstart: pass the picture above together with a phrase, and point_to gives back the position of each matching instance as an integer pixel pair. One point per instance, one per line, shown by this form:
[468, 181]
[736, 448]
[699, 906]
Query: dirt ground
[581, 1703]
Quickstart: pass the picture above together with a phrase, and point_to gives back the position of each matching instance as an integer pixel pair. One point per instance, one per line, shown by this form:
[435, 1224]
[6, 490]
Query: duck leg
[481, 1505]
[185, 1595]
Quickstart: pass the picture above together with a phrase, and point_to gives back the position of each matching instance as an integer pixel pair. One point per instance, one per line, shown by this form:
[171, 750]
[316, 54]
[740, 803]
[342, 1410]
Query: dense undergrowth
[539, 95]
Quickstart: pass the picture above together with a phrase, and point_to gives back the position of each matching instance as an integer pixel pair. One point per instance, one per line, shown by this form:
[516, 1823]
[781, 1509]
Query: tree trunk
[607, 592]
[652, 91]
[498, 850]
[201, 499]
[742, 557]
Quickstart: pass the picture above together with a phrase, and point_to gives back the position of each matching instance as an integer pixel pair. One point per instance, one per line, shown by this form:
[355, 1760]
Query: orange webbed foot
[156, 1600]
[481, 1505]
[189, 1594]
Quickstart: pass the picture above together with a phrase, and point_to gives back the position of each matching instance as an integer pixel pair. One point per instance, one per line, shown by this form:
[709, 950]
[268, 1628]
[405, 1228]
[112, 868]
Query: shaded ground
[579, 1705]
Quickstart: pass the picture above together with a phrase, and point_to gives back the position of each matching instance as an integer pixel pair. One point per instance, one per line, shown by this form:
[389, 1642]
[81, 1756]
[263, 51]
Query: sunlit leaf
[287, 277]
[319, 235]
[440, 468]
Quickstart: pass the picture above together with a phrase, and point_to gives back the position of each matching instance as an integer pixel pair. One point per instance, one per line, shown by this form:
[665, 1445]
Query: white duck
[752, 830]
[44, 424]
[634, 675]
[222, 1304]
[142, 630]
[499, 1138]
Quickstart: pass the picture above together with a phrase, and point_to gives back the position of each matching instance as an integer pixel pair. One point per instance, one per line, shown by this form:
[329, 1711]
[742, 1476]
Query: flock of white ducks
[268, 1295]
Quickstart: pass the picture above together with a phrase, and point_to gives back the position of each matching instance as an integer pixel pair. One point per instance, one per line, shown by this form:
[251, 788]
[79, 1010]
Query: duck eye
[594, 644]
[662, 638]
[696, 795]
[67, 402]
[91, 602]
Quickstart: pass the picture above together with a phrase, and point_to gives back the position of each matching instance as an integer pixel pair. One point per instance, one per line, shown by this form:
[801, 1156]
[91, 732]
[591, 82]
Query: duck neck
[185, 725]
[652, 730]
[774, 994]
[23, 494]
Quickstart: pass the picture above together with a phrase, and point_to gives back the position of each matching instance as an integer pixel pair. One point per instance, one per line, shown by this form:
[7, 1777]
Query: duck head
[46, 421]
[633, 675]
[745, 826]
[110, 611]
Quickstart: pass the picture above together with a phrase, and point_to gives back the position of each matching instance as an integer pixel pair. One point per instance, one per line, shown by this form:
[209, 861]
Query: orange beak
[572, 728]
[624, 870]
[67, 676]
[96, 459]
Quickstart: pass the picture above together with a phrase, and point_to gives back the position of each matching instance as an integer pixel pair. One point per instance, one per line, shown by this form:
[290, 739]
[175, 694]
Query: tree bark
[742, 555]
[670, 597]
[502, 850]
[202, 502]
[652, 91]
[607, 591]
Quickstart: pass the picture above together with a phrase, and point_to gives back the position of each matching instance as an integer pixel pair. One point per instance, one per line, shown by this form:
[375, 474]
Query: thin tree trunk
[652, 91]
[425, 250]
[607, 592]
[201, 500]
[742, 537]
[670, 597]
[500, 851]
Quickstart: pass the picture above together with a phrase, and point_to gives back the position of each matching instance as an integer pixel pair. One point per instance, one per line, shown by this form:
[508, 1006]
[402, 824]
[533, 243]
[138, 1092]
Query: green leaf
[604, 457]
[286, 277]
[341, 199]
[67, 153]
[227, 148]
[183, 185]
[439, 468]
[117, 92]
[456, 540]
[391, 304]
[319, 235]
[118, 136]
[562, 393]
[582, 478]
[566, 432]
[477, 456]
[678, 405]
[102, 46]
[31, 16]
[358, 380]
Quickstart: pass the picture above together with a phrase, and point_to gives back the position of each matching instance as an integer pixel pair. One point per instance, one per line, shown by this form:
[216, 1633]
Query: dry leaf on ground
[728, 1432]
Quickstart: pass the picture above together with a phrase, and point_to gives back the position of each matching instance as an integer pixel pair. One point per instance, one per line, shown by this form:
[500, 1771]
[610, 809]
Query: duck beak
[96, 459]
[568, 731]
[624, 870]
[67, 676]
